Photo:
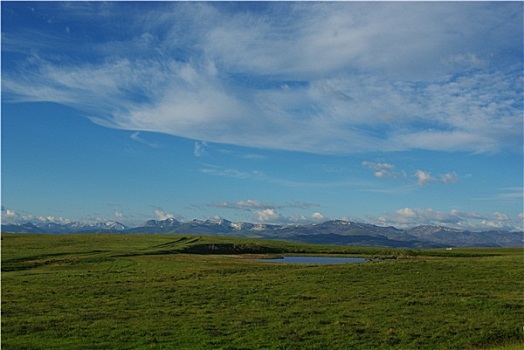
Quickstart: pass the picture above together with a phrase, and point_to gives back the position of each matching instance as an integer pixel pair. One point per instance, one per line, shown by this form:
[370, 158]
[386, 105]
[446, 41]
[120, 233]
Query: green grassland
[105, 291]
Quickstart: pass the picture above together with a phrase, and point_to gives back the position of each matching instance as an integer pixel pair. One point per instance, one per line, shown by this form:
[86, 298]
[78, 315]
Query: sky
[390, 113]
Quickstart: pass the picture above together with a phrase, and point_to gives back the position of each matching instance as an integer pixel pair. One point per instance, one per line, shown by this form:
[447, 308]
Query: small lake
[314, 260]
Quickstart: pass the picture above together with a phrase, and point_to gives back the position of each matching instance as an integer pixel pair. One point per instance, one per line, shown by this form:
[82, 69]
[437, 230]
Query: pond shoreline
[312, 260]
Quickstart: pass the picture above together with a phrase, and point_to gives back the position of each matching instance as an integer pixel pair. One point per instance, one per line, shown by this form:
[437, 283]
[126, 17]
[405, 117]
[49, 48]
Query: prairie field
[109, 291]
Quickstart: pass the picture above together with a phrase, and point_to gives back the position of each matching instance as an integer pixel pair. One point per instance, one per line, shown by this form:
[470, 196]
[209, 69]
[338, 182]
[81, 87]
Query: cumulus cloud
[271, 216]
[315, 77]
[267, 215]
[53, 219]
[423, 177]
[386, 170]
[317, 216]
[119, 215]
[467, 215]
[161, 215]
[21, 217]
[9, 215]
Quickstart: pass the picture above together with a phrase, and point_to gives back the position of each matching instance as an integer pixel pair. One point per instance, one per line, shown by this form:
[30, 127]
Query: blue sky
[394, 113]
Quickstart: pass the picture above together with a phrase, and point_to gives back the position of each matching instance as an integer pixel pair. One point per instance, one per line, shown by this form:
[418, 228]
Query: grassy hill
[105, 291]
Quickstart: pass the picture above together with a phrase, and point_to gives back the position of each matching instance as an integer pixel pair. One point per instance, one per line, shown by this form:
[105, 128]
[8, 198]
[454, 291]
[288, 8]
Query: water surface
[314, 260]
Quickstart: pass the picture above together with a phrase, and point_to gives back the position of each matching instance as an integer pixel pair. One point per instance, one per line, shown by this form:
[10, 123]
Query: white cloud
[161, 215]
[53, 219]
[267, 215]
[512, 192]
[501, 216]
[406, 213]
[228, 172]
[506, 194]
[135, 136]
[466, 215]
[200, 149]
[497, 225]
[423, 177]
[386, 170]
[261, 176]
[21, 217]
[251, 204]
[382, 170]
[317, 216]
[270, 213]
[466, 61]
[449, 178]
[410, 217]
[315, 77]
[119, 215]
[248, 204]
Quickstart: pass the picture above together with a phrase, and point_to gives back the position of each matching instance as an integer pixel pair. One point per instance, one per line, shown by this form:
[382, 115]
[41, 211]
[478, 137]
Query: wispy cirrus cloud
[505, 194]
[312, 77]
[382, 170]
[511, 192]
[258, 175]
[251, 204]
[136, 137]
[248, 204]
[200, 149]
[233, 173]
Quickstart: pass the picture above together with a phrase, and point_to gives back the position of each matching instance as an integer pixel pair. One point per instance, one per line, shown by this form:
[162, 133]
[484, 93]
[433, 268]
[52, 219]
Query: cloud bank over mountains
[326, 78]
[270, 213]
[408, 217]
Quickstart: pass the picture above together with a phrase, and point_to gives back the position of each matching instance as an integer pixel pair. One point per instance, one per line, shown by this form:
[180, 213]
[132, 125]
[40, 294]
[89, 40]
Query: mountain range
[339, 232]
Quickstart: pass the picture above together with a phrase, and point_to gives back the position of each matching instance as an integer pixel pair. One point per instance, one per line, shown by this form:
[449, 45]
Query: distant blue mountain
[330, 232]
